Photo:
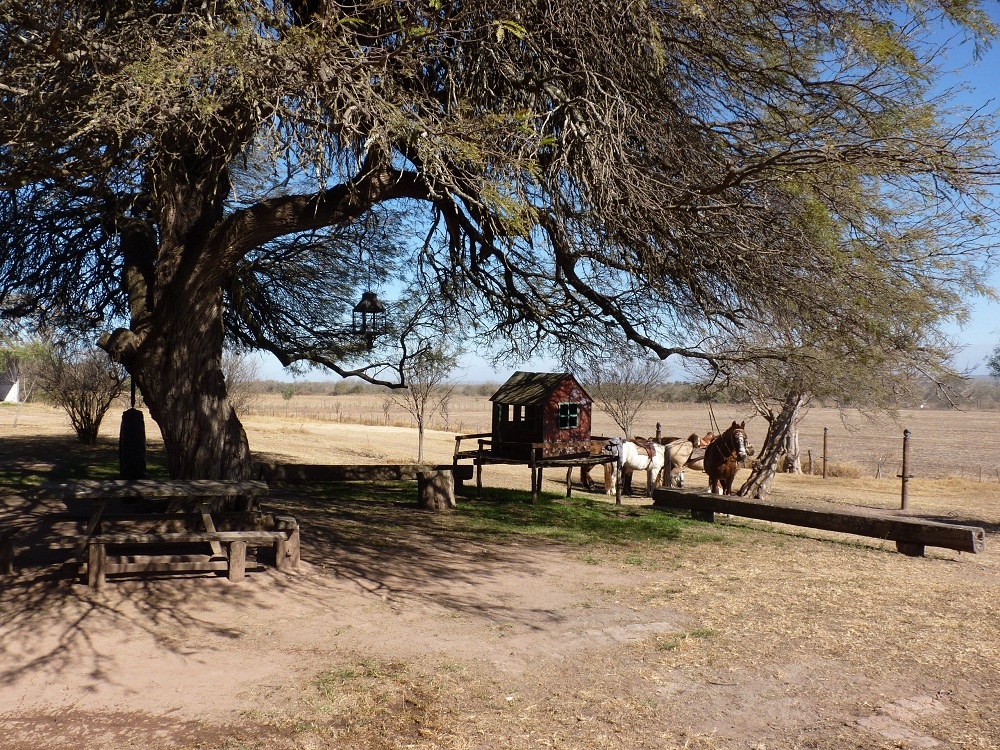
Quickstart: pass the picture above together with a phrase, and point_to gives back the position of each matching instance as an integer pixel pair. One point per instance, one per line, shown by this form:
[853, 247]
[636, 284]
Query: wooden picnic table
[167, 551]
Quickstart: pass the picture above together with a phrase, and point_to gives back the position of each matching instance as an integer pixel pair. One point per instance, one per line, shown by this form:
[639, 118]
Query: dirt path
[401, 632]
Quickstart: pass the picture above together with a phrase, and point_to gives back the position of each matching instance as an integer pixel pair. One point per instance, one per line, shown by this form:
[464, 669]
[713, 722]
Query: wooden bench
[232, 560]
[91, 546]
[911, 535]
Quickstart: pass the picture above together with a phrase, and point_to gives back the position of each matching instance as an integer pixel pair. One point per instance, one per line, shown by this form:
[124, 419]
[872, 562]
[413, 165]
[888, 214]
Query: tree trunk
[180, 375]
[793, 457]
[773, 451]
[173, 350]
[174, 272]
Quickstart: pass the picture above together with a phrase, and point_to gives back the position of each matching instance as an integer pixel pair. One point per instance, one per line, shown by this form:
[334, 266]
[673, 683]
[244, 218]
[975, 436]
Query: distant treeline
[975, 393]
[680, 392]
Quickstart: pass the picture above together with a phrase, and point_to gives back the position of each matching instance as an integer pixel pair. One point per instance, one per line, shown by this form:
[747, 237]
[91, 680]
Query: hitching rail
[910, 534]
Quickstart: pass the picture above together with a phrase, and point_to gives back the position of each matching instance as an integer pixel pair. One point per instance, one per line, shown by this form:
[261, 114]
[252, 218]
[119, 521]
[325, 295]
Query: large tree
[576, 169]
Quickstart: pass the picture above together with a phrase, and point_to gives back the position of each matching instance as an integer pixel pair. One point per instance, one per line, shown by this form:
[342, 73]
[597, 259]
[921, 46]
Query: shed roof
[529, 388]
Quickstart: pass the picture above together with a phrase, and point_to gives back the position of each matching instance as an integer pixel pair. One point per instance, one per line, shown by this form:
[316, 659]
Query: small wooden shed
[541, 415]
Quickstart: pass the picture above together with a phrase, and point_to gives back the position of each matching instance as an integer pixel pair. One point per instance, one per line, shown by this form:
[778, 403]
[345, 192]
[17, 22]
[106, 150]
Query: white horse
[648, 457]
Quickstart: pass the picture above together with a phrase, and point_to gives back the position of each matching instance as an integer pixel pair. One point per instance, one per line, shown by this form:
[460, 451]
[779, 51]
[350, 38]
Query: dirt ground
[400, 631]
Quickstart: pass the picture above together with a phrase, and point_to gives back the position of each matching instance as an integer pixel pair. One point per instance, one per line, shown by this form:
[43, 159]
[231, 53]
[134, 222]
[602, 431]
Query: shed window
[569, 416]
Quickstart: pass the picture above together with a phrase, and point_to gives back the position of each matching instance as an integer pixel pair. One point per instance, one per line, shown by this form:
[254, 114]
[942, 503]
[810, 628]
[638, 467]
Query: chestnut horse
[723, 457]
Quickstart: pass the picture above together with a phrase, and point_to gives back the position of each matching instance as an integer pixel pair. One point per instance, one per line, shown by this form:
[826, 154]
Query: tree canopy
[550, 174]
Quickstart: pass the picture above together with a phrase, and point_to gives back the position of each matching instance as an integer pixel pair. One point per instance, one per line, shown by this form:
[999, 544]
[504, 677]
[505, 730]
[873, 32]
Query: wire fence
[943, 443]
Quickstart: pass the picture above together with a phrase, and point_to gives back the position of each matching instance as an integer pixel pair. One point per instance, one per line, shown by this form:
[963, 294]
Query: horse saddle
[647, 446]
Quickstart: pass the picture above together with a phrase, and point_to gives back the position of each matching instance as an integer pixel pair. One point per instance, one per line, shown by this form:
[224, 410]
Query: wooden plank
[243, 517]
[906, 531]
[190, 537]
[206, 519]
[90, 489]
[158, 566]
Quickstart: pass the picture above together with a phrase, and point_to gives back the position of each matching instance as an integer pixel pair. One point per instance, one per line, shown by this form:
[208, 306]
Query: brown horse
[723, 457]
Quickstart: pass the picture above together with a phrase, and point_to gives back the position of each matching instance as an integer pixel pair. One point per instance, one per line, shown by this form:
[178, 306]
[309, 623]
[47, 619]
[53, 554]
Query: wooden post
[287, 553]
[810, 461]
[658, 433]
[454, 460]
[534, 477]
[905, 476]
[479, 471]
[237, 561]
[569, 481]
[825, 431]
[618, 477]
[97, 558]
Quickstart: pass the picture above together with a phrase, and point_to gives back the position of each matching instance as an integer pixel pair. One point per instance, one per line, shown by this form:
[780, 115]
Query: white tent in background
[9, 391]
[10, 383]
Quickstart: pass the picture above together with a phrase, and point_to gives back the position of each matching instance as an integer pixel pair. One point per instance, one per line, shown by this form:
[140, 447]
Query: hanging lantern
[369, 320]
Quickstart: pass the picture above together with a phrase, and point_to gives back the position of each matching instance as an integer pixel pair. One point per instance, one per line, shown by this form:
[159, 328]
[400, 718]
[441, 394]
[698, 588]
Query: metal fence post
[825, 431]
[905, 476]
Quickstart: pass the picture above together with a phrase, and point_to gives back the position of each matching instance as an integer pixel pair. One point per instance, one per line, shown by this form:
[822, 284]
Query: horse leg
[585, 479]
[714, 484]
[680, 478]
[626, 480]
[609, 479]
[727, 480]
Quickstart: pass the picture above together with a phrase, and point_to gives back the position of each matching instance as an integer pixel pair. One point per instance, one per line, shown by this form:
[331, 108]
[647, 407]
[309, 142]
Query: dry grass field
[410, 629]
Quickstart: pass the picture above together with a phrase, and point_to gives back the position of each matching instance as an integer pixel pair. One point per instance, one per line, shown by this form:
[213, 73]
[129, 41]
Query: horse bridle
[740, 435]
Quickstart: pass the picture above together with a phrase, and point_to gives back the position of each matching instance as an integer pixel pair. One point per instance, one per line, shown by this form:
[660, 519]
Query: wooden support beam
[237, 561]
[910, 534]
[104, 489]
[97, 559]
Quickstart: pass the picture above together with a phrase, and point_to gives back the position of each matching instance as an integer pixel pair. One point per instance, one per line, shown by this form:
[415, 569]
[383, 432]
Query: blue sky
[976, 338]
[981, 333]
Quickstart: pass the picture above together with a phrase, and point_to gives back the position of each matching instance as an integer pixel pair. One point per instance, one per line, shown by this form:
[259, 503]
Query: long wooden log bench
[304, 473]
[435, 483]
[911, 535]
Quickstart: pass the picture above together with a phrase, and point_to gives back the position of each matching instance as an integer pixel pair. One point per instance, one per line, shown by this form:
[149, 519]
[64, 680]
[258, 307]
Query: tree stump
[436, 489]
